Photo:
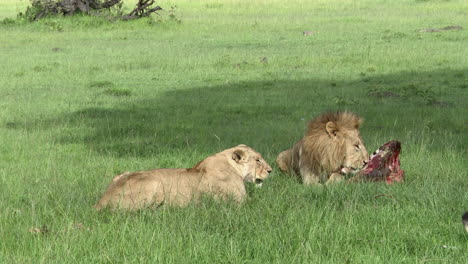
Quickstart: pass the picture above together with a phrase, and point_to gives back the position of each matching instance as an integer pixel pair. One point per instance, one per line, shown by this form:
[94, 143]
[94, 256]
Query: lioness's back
[152, 187]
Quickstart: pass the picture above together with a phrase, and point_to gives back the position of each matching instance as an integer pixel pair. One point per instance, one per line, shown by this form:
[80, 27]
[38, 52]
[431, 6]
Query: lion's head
[465, 220]
[333, 144]
[251, 164]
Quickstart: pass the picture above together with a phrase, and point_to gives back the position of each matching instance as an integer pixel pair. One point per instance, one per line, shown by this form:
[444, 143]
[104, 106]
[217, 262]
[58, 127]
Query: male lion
[331, 146]
[465, 220]
[221, 175]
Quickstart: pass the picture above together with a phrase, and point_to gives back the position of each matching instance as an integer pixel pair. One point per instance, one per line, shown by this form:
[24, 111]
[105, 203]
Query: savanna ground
[83, 99]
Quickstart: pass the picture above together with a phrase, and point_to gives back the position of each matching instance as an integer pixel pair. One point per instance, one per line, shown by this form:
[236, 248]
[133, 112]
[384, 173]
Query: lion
[331, 147]
[465, 220]
[221, 176]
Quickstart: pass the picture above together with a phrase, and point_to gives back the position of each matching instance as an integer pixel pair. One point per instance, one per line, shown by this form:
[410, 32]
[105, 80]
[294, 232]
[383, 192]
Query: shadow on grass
[271, 115]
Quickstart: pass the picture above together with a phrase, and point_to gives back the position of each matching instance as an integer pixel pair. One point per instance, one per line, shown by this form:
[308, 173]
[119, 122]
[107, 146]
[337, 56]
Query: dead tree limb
[144, 8]
[43, 8]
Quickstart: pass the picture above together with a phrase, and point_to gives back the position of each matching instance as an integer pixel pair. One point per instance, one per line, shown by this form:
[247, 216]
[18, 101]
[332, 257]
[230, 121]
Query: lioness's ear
[331, 128]
[238, 155]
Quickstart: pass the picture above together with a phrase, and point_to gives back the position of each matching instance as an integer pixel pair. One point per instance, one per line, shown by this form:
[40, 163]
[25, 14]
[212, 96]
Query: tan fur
[331, 146]
[221, 175]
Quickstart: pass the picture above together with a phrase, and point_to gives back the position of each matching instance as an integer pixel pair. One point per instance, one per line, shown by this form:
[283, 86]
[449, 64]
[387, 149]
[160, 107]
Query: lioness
[330, 147]
[221, 175]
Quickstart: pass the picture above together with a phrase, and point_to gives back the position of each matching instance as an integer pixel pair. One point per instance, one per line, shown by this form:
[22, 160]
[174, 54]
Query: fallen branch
[142, 9]
[42, 8]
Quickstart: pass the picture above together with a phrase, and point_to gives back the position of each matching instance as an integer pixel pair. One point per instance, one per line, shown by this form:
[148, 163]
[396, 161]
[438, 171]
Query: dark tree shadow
[271, 115]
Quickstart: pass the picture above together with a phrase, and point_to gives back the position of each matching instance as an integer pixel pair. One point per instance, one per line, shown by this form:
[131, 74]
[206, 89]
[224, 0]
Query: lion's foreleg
[238, 192]
[284, 161]
[309, 178]
[334, 178]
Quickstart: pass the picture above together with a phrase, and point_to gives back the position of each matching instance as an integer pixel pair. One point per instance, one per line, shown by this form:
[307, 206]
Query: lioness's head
[254, 168]
[337, 143]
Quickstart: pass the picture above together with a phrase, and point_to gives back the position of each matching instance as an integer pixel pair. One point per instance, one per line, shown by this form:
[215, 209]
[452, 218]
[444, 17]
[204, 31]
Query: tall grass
[83, 99]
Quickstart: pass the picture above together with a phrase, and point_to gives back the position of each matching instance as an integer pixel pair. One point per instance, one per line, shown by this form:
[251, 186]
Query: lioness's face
[255, 168]
[356, 153]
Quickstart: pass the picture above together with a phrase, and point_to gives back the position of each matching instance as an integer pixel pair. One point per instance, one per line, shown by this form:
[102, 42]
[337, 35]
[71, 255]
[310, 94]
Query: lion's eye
[357, 147]
[258, 161]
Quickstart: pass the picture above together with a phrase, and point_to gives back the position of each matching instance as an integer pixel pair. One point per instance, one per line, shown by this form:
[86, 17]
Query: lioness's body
[221, 175]
[331, 146]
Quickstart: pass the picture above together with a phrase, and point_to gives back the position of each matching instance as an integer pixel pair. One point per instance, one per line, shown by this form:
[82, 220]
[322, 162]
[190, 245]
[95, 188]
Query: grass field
[83, 99]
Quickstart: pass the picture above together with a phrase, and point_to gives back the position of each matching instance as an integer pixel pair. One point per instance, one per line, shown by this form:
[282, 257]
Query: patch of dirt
[383, 94]
[35, 230]
[436, 103]
[456, 27]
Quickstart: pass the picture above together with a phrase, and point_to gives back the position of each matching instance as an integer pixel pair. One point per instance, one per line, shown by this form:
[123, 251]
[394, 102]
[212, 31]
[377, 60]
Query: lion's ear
[359, 123]
[237, 155]
[331, 128]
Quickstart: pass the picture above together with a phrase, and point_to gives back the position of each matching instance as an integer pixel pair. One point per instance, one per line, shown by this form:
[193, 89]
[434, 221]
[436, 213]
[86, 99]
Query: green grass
[83, 99]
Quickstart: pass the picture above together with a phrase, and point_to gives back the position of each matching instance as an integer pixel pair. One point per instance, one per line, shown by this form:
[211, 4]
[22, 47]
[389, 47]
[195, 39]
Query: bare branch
[42, 8]
[142, 10]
